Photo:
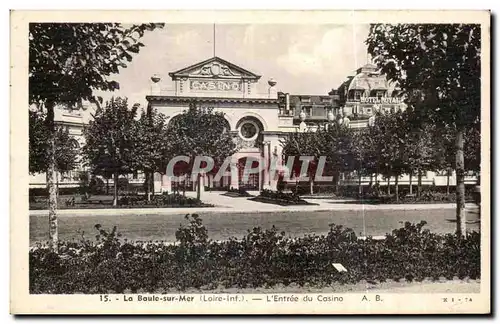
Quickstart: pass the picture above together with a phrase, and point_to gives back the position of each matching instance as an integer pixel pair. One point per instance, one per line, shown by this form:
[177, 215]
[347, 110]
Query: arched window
[249, 128]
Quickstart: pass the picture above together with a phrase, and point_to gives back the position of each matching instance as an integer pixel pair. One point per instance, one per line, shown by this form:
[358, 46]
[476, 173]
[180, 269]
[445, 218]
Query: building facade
[366, 92]
[73, 119]
[257, 121]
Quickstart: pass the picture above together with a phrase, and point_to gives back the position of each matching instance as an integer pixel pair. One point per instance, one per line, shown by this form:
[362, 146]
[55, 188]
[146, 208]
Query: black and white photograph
[323, 162]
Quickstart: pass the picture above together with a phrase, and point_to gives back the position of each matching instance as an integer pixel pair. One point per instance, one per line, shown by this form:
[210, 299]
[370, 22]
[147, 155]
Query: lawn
[223, 226]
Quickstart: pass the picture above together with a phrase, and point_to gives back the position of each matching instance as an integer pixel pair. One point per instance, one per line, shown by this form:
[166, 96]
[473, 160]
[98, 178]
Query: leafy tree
[151, 148]
[363, 155]
[200, 132]
[420, 149]
[332, 141]
[445, 150]
[67, 62]
[304, 144]
[444, 157]
[66, 153]
[472, 148]
[388, 135]
[110, 139]
[335, 141]
[438, 68]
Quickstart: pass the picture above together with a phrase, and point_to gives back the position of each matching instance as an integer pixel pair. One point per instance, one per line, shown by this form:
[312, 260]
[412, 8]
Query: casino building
[258, 121]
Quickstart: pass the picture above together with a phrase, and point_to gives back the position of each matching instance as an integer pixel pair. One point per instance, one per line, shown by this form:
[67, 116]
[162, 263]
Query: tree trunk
[419, 183]
[107, 186]
[152, 183]
[389, 185]
[311, 185]
[51, 177]
[148, 184]
[460, 170]
[411, 183]
[360, 187]
[397, 188]
[115, 189]
[198, 186]
[371, 180]
[448, 171]
[184, 186]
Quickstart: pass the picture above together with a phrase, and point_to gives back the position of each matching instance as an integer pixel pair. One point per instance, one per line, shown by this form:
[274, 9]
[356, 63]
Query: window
[380, 94]
[248, 130]
[357, 95]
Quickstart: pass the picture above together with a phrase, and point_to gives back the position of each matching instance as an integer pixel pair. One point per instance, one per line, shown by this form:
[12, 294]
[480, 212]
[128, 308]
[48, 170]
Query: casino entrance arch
[247, 180]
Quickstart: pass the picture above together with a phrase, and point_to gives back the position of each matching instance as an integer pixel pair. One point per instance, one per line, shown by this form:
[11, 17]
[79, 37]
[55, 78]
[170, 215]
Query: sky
[302, 58]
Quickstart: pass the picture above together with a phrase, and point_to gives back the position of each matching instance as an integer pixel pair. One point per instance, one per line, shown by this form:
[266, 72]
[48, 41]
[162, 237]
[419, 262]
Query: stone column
[210, 180]
[234, 174]
[166, 183]
[267, 151]
[273, 180]
[200, 183]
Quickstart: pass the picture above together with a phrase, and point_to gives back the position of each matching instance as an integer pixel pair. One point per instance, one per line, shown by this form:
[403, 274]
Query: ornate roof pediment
[214, 67]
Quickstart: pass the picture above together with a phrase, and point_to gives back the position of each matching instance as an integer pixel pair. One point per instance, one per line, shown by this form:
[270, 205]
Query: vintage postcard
[250, 162]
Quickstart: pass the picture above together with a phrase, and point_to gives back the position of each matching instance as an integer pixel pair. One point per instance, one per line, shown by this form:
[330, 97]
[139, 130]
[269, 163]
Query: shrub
[262, 258]
[242, 192]
[165, 199]
[288, 196]
[123, 184]
[429, 194]
[280, 198]
[96, 186]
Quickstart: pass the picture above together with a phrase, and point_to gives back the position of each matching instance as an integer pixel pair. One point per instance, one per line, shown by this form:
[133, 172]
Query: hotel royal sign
[383, 100]
[218, 85]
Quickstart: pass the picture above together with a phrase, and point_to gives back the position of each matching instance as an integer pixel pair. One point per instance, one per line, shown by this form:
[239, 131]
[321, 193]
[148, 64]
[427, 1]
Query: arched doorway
[247, 180]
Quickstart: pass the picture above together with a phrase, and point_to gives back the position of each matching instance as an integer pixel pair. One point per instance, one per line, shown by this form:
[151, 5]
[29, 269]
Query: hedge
[280, 198]
[163, 200]
[263, 258]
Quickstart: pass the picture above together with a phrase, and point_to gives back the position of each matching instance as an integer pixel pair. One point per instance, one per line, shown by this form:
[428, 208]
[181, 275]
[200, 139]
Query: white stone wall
[234, 112]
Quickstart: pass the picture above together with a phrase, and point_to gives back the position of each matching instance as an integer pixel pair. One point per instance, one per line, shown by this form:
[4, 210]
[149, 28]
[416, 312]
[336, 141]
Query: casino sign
[215, 85]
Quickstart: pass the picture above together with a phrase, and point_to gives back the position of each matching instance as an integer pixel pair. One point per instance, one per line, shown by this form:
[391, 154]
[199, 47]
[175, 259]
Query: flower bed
[263, 258]
[164, 200]
[428, 196]
[280, 198]
[236, 193]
